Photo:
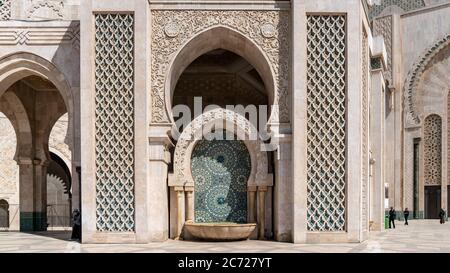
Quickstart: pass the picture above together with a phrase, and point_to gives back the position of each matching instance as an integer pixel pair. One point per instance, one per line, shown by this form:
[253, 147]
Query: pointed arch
[218, 37]
[414, 90]
[19, 65]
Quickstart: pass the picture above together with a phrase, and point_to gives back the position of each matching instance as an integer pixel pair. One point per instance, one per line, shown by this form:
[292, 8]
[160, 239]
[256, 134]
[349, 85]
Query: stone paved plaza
[420, 236]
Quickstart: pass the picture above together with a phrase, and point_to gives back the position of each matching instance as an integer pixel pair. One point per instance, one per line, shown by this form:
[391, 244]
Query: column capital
[160, 143]
[159, 134]
[262, 188]
[178, 189]
[24, 161]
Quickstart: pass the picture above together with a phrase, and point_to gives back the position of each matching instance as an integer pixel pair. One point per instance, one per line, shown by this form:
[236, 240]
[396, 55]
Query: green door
[220, 169]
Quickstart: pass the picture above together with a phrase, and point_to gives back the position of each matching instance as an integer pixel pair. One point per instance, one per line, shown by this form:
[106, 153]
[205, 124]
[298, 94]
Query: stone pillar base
[33, 221]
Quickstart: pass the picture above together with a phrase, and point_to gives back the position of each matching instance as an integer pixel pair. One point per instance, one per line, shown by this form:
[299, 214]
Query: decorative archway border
[414, 76]
[171, 29]
[245, 132]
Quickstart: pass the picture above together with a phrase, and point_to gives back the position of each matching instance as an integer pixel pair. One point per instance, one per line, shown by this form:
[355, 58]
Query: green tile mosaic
[220, 169]
[33, 221]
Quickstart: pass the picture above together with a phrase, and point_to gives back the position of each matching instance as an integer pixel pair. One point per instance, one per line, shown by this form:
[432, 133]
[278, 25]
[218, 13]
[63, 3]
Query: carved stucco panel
[172, 29]
[9, 170]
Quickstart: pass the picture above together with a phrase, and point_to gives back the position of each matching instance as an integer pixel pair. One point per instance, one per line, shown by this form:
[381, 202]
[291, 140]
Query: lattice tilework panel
[220, 169]
[5, 9]
[432, 151]
[114, 121]
[405, 5]
[383, 26]
[365, 130]
[326, 122]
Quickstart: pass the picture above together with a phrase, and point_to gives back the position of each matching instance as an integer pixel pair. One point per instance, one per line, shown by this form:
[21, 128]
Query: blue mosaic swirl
[220, 169]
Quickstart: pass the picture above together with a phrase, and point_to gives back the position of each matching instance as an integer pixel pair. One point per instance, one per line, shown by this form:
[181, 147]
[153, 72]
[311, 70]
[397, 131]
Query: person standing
[76, 230]
[442, 216]
[392, 216]
[406, 215]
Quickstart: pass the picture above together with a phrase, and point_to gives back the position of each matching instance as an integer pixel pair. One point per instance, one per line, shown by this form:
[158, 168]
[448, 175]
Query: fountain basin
[220, 231]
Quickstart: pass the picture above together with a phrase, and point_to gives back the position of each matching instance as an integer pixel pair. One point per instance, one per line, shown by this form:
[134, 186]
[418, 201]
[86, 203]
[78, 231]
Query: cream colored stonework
[350, 84]
[9, 171]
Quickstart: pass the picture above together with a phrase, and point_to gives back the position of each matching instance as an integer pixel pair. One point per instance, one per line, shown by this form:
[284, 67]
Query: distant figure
[442, 216]
[392, 216]
[406, 214]
[76, 230]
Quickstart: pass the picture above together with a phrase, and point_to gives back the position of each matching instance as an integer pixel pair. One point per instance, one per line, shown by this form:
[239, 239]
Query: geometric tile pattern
[383, 26]
[326, 122]
[365, 131]
[220, 169]
[432, 150]
[405, 5]
[114, 121]
[5, 9]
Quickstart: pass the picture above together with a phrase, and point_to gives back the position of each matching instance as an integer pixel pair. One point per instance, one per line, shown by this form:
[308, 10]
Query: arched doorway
[220, 169]
[220, 50]
[34, 96]
[4, 215]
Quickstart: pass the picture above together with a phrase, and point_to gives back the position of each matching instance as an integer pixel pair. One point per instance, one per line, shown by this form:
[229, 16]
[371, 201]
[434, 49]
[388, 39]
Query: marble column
[26, 194]
[377, 117]
[33, 195]
[282, 190]
[189, 203]
[252, 208]
[40, 194]
[298, 193]
[158, 202]
[180, 212]
[262, 212]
